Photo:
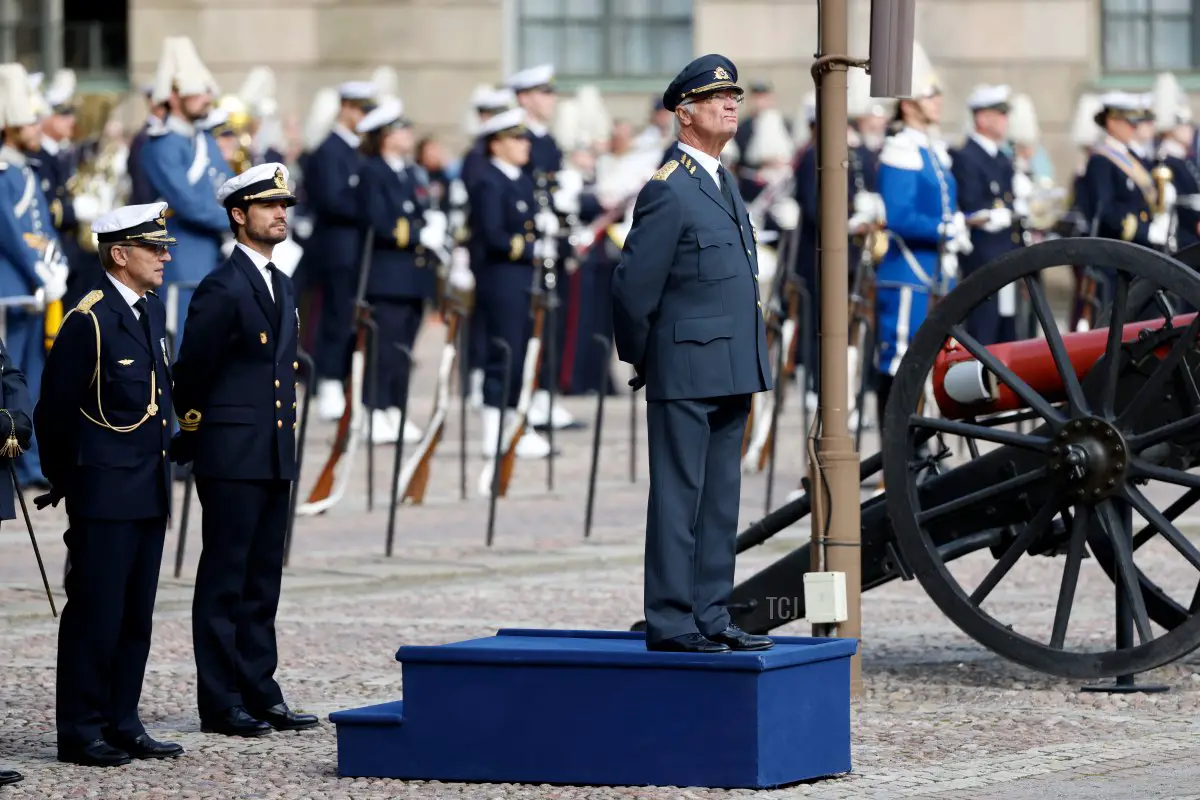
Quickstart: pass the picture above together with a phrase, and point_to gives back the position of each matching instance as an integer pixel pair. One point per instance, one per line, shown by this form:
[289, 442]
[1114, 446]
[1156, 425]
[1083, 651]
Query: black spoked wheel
[1117, 424]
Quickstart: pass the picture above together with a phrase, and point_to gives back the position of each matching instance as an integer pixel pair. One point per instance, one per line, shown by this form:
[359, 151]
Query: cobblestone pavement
[940, 716]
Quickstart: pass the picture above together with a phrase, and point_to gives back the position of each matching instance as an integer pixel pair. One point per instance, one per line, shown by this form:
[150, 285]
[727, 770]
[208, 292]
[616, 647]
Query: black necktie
[723, 179]
[144, 320]
[276, 290]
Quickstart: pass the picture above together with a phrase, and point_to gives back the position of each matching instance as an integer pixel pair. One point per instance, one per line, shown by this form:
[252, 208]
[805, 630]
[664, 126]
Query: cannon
[1064, 435]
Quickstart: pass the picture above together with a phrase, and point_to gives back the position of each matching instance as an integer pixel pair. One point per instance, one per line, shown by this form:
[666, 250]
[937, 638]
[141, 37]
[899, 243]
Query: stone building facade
[1050, 49]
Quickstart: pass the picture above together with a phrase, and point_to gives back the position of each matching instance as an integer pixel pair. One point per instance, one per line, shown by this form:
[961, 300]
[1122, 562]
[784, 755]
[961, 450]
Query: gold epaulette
[665, 170]
[190, 421]
[89, 300]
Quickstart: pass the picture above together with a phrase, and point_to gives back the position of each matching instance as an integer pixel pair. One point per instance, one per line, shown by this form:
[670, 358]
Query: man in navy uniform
[102, 421]
[688, 315]
[235, 397]
[16, 433]
[984, 174]
[331, 176]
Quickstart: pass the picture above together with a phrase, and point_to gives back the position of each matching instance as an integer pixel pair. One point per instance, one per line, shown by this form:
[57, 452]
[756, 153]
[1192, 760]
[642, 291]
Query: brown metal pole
[837, 528]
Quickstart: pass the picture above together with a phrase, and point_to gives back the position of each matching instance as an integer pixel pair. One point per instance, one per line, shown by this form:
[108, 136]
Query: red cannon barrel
[964, 387]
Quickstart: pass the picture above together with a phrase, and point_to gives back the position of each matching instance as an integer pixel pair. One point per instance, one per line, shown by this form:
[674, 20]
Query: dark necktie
[144, 320]
[276, 290]
[723, 178]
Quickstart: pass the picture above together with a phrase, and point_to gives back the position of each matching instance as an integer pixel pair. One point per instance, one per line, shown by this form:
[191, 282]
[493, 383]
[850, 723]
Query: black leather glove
[183, 448]
[50, 498]
[637, 381]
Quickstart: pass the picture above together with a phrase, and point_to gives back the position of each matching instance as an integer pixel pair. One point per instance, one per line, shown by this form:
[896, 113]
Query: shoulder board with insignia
[665, 170]
[92, 297]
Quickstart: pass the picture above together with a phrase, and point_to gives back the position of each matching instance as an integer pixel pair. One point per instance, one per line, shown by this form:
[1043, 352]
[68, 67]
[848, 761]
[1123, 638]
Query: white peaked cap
[989, 96]
[770, 141]
[19, 105]
[386, 113]
[180, 68]
[532, 78]
[258, 92]
[1171, 107]
[62, 88]
[272, 176]
[356, 90]
[925, 81]
[513, 118]
[1083, 126]
[1022, 121]
[144, 222]
[568, 124]
[322, 114]
[595, 121]
[386, 82]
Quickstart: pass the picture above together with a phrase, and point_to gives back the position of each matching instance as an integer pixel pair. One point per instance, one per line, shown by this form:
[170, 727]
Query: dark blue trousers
[695, 451]
[104, 632]
[335, 337]
[504, 302]
[398, 320]
[237, 593]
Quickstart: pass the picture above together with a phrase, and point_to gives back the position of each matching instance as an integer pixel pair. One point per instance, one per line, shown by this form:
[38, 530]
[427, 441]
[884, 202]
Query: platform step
[597, 708]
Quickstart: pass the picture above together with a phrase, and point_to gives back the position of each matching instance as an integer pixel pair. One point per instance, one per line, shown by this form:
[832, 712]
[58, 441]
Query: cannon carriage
[1062, 437]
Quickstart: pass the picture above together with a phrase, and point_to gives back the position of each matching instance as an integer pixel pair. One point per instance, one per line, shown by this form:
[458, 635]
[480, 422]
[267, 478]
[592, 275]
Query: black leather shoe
[96, 753]
[688, 643]
[282, 718]
[235, 722]
[738, 639]
[145, 747]
[8, 776]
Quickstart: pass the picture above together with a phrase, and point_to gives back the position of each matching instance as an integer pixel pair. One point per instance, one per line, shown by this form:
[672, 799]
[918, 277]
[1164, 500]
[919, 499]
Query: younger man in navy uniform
[102, 421]
[984, 174]
[16, 433]
[235, 397]
[687, 314]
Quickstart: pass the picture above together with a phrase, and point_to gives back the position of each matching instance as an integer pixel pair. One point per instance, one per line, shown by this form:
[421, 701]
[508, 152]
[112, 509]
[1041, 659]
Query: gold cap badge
[720, 74]
[280, 183]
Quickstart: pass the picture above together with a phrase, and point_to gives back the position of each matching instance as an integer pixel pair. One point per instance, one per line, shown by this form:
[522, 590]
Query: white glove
[433, 232]
[461, 277]
[546, 222]
[1160, 228]
[1022, 186]
[1170, 196]
[998, 219]
[786, 212]
[566, 196]
[950, 265]
[545, 248]
[948, 229]
[457, 195]
[962, 239]
[87, 208]
[54, 282]
[1021, 207]
[870, 207]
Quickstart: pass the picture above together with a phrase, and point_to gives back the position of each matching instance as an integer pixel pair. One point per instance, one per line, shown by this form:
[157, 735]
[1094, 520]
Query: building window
[1150, 35]
[605, 39]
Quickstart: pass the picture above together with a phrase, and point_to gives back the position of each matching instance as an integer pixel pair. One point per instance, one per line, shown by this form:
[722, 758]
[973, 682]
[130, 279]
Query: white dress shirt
[260, 263]
[127, 294]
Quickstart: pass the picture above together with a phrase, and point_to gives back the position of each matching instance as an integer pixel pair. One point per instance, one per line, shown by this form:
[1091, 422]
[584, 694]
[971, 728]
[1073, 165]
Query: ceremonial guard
[506, 236]
[409, 236]
[103, 426]
[926, 231]
[331, 176]
[31, 260]
[984, 174]
[16, 433]
[235, 397]
[184, 167]
[687, 314]
[1173, 118]
[536, 94]
[140, 190]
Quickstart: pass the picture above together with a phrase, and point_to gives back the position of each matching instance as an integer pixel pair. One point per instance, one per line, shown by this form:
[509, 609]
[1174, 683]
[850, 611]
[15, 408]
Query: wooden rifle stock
[529, 376]
[323, 488]
[414, 478]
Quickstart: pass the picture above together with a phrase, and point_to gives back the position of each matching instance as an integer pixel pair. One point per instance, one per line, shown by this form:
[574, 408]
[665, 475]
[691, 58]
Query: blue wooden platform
[595, 707]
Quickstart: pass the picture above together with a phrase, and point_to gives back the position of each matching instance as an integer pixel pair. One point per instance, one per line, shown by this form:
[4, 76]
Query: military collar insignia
[125, 362]
[688, 163]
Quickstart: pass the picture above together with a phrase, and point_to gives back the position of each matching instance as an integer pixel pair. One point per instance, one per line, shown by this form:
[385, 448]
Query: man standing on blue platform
[102, 422]
[235, 397]
[688, 315]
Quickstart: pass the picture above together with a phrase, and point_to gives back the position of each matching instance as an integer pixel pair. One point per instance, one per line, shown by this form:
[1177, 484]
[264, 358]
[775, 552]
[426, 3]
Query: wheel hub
[1091, 458]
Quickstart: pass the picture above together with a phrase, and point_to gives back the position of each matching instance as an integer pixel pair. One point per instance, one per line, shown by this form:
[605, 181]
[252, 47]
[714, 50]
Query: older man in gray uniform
[687, 314]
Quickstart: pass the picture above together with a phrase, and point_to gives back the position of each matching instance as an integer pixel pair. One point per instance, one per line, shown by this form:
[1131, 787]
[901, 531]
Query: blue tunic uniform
[920, 196]
[184, 168]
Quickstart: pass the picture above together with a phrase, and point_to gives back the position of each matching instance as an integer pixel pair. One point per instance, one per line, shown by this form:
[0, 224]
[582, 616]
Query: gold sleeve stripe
[1129, 227]
[403, 232]
[518, 246]
[190, 421]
